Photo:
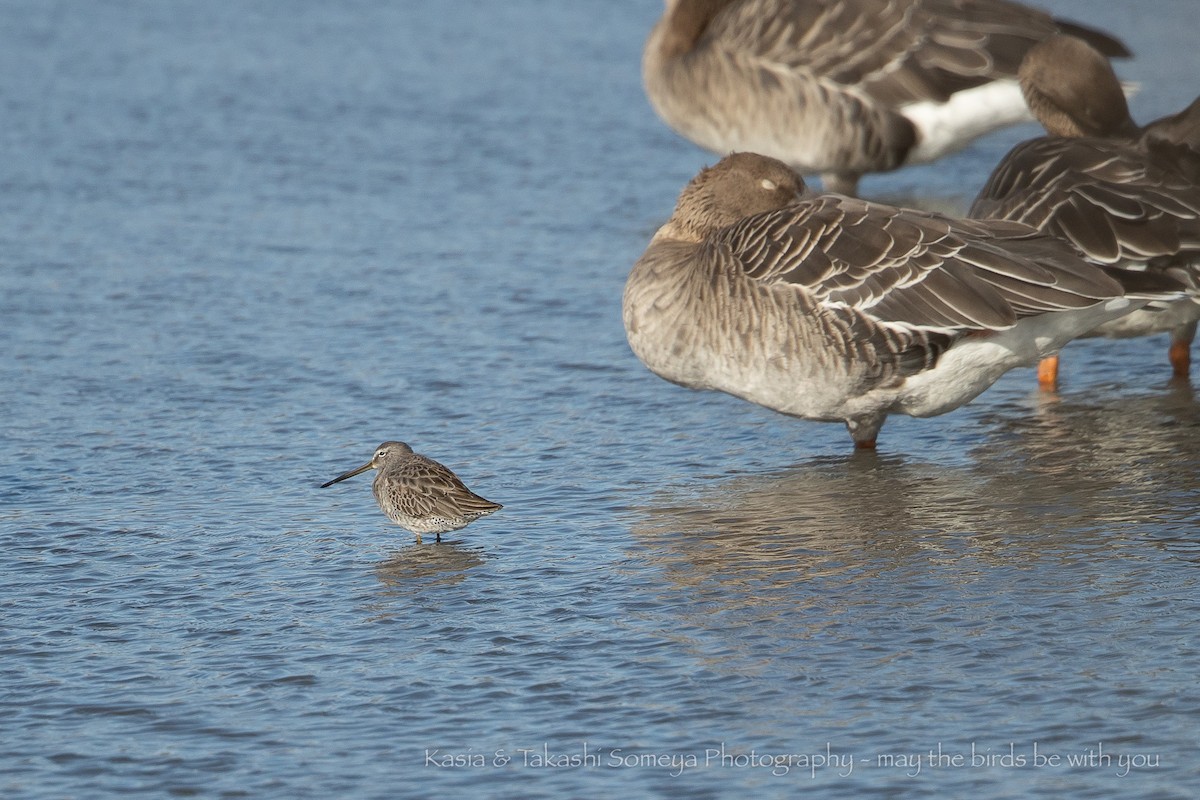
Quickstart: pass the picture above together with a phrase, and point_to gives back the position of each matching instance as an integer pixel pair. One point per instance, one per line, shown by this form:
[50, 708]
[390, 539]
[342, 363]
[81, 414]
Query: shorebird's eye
[769, 184]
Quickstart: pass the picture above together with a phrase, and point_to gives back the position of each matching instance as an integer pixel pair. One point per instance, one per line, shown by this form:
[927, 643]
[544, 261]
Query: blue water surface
[243, 243]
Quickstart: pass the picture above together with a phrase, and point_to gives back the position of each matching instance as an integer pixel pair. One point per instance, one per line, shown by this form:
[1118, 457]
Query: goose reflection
[1140, 453]
[837, 520]
[1073, 480]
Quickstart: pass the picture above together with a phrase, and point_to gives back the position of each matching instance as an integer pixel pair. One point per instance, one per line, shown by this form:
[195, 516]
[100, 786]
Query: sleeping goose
[836, 309]
[1123, 195]
[843, 87]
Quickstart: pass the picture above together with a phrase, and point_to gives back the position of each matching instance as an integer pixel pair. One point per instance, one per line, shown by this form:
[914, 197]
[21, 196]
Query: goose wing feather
[897, 52]
[912, 268]
[1115, 201]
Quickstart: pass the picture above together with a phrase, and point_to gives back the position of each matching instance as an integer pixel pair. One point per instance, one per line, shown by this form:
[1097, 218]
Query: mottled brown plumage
[843, 87]
[1126, 196]
[418, 493]
[832, 308]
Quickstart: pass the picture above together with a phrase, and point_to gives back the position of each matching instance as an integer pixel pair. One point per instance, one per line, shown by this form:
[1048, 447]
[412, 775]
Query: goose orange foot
[1180, 356]
[1048, 373]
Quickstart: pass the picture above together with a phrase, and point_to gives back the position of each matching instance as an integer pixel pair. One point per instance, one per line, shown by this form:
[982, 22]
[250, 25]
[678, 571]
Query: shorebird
[419, 494]
[844, 87]
[832, 308]
[1124, 195]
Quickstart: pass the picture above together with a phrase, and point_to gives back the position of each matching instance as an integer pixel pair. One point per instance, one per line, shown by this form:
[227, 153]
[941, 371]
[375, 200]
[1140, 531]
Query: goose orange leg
[1180, 354]
[1048, 373]
[864, 430]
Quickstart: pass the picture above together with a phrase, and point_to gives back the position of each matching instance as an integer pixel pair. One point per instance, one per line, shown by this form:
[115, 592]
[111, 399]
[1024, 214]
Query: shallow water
[243, 246]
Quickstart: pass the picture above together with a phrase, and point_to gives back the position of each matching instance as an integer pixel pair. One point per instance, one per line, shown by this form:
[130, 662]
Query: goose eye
[769, 184]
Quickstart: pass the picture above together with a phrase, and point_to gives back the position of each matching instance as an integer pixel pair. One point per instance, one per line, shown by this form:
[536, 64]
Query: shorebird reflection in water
[418, 493]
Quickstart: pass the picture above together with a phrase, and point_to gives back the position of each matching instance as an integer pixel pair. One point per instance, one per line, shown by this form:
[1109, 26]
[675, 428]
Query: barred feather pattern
[822, 84]
[418, 493]
[1126, 197]
[423, 496]
[814, 305]
[1115, 201]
